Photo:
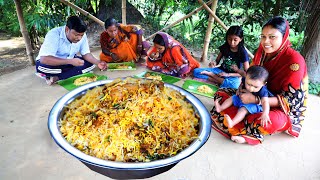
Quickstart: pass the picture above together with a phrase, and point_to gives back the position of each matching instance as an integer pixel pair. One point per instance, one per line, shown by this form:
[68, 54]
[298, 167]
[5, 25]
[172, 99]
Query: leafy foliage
[251, 15]
[40, 16]
[314, 88]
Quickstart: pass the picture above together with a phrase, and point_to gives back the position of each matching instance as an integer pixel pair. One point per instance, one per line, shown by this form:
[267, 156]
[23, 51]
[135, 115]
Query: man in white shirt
[58, 58]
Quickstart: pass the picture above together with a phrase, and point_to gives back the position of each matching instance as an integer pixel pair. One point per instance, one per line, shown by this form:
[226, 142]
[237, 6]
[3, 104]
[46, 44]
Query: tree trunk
[90, 9]
[24, 31]
[112, 8]
[265, 9]
[68, 3]
[277, 8]
[311, 45]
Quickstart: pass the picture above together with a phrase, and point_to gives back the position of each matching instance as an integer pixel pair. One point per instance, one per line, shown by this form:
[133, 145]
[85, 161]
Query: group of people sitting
[264, 97]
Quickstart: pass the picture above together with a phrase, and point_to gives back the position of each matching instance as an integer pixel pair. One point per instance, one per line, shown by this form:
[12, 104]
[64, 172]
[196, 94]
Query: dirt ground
[28, 151]
[13, 54]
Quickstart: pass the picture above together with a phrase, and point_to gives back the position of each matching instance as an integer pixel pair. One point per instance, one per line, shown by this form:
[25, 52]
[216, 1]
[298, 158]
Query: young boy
[254, 82]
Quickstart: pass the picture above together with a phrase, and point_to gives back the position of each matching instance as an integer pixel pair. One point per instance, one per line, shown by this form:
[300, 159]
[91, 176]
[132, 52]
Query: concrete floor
[28, 151]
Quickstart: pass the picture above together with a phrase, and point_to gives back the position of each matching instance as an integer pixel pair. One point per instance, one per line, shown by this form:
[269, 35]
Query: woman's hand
[247, 97]
[115, 58]
[154, 55]
[134, 29]
[265, 119]
[139, 48]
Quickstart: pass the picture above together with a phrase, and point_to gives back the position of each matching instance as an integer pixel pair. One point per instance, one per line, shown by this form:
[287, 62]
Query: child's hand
[235, 68]
[265, 120]
[212, 64]
[238, 92]
[224, 74]
[205, 73]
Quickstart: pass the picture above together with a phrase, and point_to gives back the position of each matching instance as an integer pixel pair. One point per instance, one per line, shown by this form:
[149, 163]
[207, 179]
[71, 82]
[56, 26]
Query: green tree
[42, 15]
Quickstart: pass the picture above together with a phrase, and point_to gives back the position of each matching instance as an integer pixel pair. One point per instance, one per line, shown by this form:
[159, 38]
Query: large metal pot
[127, 170]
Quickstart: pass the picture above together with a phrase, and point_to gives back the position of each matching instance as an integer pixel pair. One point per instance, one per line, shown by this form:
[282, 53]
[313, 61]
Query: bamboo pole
[24, 32]
[208, 33]
[213, 14]
[83, 12]
[124, 14]
[220, 22]
[179, 20]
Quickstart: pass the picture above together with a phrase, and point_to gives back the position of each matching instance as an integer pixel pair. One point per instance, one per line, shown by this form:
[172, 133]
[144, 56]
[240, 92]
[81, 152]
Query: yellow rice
[130, 121]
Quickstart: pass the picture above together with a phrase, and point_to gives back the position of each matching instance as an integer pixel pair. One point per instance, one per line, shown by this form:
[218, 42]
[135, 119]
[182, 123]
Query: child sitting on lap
[254, 82]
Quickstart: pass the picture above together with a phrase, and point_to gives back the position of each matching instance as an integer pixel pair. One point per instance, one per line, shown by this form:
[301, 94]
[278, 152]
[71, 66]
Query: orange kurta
[124, 45]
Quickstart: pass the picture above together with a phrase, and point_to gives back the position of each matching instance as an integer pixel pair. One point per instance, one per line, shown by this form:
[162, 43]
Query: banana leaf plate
[165, 78]
[121, 66]
[192, 86]
[69, 85]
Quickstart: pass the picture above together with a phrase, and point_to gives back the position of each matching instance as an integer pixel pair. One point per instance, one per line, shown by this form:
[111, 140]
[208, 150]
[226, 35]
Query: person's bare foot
[217, 105]
[229, 121]
[52, 80]
[238, 139]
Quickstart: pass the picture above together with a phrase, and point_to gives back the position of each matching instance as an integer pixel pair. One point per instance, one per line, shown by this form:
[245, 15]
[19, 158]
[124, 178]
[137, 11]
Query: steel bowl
[127, 170]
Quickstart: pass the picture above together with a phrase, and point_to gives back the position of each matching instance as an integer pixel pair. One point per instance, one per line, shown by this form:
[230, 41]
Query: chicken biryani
[130, 120]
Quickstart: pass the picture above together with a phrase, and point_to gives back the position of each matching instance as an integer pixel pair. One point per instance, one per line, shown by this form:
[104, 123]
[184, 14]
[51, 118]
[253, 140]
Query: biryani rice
[130, 121]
